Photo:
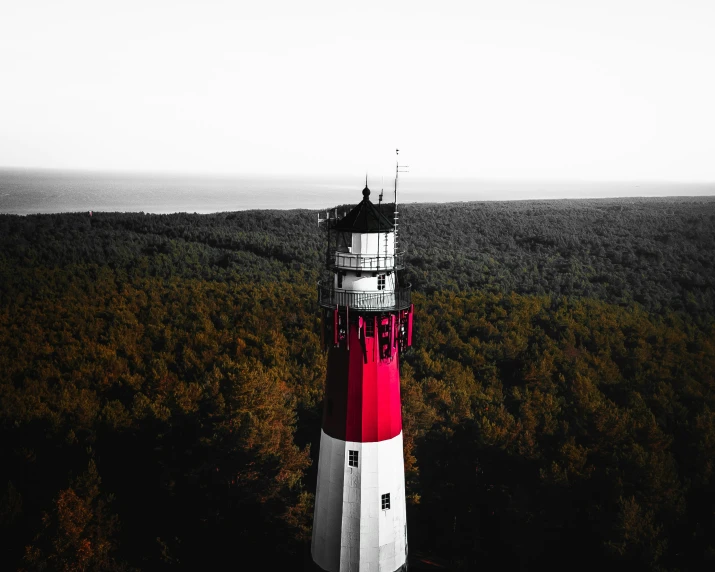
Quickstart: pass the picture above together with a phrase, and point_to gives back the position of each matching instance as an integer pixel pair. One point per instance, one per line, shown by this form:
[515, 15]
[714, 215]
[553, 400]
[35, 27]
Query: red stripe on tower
[362, 399]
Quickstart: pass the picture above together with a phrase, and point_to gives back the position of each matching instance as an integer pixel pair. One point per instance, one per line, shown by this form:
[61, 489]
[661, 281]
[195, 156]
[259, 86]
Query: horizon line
[707, 198]
[416, 177]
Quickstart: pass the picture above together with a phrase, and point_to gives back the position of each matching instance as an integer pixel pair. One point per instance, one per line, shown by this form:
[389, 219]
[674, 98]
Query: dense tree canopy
[161, 384]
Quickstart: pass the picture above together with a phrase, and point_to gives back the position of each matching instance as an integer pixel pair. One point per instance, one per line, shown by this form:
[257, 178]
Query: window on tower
[380, 281]
[386, 501]
[340, 279]
[353, 458]
[370, 327]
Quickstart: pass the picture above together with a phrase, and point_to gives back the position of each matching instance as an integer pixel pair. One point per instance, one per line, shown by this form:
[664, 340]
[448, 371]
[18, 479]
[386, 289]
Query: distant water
[29, 191]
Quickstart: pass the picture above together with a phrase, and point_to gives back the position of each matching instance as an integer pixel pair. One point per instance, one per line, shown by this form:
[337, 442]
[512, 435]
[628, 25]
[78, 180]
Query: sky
[509, 90]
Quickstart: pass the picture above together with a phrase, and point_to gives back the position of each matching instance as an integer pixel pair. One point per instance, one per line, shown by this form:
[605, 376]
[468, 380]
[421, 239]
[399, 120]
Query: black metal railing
[397, 299]
[365, 262]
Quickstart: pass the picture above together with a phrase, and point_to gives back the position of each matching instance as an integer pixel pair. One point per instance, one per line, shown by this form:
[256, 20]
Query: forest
[161, 385]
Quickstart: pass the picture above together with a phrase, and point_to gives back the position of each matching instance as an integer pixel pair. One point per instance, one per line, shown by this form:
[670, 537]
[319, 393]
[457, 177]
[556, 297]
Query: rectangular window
[380, 281]
[353, 458]
[386, 501]
[340, 279]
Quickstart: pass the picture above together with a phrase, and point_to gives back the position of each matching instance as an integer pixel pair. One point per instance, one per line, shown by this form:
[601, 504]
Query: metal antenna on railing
[379, 216]
[397, 173]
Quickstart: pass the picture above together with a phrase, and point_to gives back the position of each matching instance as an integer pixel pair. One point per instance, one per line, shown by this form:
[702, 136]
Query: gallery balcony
[398, 299]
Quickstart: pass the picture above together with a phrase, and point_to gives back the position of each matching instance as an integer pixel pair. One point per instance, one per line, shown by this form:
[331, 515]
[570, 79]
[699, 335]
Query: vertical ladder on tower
[396, 225]
[397, 175]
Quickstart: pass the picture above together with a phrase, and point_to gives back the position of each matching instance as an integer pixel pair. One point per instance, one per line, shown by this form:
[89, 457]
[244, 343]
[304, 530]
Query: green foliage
[558, 401]
[659, 253]
[571, 424]
[186, 390]
[78, 534]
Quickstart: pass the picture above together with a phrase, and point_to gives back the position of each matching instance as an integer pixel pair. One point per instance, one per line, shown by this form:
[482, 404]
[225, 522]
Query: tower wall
[351, 532]
[362, 391]
[359, 522]
[362, 413]
[373, 242]
[367, 282]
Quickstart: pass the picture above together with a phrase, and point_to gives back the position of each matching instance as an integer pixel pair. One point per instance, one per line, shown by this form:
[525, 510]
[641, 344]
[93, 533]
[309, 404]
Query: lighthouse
[359, 522]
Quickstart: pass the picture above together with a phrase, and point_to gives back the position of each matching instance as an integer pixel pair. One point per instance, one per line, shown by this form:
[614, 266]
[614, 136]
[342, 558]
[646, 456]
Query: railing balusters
[358, 261]
[399, 298]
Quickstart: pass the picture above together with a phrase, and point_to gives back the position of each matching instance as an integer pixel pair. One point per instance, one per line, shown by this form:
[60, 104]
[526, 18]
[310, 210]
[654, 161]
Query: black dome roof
[366, 217]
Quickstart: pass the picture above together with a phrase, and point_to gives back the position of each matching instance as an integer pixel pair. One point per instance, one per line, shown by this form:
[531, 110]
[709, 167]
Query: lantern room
[363, 258]
[362, 251]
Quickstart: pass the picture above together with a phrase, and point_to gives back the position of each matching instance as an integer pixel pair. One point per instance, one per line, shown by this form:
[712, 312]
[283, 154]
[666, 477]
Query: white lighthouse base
[351, 530]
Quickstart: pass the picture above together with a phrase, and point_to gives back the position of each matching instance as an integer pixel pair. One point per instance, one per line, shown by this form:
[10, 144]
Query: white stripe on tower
[351, 529]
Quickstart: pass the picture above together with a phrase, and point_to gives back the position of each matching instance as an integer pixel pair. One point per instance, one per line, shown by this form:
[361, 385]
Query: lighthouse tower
[359, 522]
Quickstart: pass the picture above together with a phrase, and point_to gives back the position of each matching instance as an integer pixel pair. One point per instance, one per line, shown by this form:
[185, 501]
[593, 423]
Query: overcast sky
[532, 89]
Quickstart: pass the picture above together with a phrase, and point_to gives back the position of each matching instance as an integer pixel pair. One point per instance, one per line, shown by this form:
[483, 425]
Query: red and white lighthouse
[360, 522]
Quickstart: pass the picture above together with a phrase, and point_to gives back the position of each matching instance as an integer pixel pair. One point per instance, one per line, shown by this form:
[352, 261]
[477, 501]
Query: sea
[35, 191]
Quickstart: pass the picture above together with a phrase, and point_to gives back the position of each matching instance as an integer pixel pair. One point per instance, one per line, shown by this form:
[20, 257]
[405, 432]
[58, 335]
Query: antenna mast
[397, 173]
